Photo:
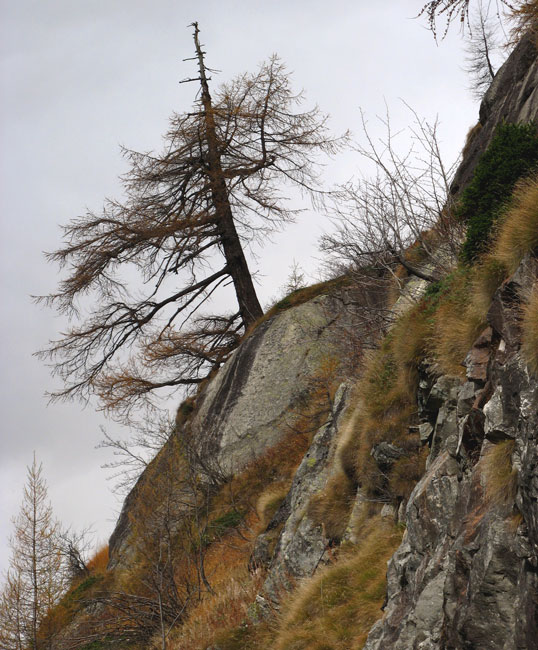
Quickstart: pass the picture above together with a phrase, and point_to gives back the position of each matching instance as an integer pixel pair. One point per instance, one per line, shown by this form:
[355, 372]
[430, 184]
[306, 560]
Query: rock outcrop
[302, 545]
[512, 97]
[249, 405]
[466, 573]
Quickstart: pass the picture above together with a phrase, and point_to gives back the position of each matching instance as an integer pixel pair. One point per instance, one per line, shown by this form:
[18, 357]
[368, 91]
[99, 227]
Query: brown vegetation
[525, 14]
[336, 609]
[457, 322]
[299, 297]
[471, 135]
[332, 506]
[98, 563]
[499, 474]
[518, 231]
[529, 347]
[270, 500]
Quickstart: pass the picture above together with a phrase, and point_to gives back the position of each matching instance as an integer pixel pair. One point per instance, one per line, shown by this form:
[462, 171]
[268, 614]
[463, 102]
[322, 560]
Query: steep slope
[512, 97]
[256, 397]
[313, 478]
[465, 575]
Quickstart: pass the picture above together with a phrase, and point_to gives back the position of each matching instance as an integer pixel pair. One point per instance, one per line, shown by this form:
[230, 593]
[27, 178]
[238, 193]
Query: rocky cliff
[466, 575]
[512, 97]
[255, 398]
[322, 460]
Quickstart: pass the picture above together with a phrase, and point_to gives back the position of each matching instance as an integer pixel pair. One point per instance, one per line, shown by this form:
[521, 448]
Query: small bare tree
[133, 454]
[168, 537]
[401, 216]
[36, 579]
[482, 45]
[75, 547]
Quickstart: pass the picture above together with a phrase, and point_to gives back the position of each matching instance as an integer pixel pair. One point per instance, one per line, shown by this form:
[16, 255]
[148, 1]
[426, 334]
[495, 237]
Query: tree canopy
[452, 10]
[187, 215]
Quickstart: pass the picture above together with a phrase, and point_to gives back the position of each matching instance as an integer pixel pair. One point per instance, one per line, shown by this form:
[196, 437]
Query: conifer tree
[188, 215]
[35, 580]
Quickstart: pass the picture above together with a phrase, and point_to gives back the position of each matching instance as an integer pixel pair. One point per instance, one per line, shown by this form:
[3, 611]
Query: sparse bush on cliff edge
[512, 153]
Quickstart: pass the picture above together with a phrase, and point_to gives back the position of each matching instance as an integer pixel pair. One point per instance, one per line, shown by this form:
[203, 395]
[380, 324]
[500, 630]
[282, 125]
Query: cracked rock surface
[466, 573]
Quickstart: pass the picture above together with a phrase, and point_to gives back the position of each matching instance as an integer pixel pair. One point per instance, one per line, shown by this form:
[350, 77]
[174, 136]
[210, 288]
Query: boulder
[250, 403]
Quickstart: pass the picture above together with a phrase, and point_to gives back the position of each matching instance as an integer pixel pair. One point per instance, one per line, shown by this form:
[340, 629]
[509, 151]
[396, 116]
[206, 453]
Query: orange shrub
[99, 561]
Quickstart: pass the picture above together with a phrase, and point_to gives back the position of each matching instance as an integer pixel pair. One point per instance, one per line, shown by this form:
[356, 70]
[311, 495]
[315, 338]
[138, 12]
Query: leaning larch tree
[187, 216]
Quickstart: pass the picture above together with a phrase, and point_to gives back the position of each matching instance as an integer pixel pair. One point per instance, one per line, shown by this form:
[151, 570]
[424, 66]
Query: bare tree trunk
[247, 299]
[163, 632]
[34, 566]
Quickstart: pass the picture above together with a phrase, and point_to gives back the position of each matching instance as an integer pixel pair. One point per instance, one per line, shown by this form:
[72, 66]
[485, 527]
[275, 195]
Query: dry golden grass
[460, 315]
[500, 477]
[336, 609]
[495, 485]
[529, 326]
[299, 297]
[332, 506]
[454, 335]
[348, 441]
[471, 135]
[219, 613]
[518, 232]
[276, 465]
[410, 344]
[270, 500]
[387, 391]
[386, 405]
[406, 472]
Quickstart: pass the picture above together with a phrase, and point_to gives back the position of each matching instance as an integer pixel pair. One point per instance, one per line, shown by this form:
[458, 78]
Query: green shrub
[512, 154]
[218, 527]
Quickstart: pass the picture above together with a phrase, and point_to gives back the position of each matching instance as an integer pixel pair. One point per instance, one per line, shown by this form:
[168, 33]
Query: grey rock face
[248, 405]
[512, 97]
[386, 454]
[302, 545]
[465, 575]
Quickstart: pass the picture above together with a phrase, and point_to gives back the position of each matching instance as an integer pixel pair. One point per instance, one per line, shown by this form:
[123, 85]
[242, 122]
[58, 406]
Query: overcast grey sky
[80, 77]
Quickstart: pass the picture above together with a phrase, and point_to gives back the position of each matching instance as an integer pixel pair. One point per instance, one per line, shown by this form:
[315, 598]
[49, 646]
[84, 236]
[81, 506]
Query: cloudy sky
[80, 78]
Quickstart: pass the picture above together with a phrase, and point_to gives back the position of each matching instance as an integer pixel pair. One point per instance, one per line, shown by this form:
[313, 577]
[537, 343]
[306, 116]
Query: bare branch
[400, 216]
